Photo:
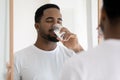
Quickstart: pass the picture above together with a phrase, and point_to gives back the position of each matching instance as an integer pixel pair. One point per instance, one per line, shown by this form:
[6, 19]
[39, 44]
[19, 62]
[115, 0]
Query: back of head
[40, 10]
[112, 8]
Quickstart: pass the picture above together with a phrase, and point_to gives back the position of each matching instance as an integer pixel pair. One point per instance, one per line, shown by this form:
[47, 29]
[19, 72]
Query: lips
[52, 33]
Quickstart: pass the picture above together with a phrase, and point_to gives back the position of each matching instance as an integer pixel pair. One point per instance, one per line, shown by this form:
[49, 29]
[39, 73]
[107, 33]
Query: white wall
[80, 16]
[4, 37]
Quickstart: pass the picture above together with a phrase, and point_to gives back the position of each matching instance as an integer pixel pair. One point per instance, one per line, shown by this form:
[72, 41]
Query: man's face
[50, 17]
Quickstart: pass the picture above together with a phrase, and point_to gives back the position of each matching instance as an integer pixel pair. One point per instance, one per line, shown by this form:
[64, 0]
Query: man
[102, 62]
[44, 59]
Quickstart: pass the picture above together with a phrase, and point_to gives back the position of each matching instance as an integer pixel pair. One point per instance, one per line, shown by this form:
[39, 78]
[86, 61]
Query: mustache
[51, 30]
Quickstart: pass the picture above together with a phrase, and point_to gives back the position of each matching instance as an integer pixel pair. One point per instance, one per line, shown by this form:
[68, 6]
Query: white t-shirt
[32, 63]
[101, 63]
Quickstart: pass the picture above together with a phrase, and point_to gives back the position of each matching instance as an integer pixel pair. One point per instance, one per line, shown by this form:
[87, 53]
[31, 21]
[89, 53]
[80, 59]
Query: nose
[54, 23]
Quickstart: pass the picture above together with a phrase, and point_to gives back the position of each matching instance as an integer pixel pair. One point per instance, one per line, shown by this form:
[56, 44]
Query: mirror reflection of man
[44, 59]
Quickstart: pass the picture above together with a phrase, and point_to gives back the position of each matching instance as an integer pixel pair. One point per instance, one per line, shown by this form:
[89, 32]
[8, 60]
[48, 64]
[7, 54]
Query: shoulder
[84, 57]
[83, 62]
[23, 52]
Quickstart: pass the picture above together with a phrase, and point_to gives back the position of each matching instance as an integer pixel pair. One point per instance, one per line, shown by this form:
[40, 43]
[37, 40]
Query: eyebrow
[52, 18]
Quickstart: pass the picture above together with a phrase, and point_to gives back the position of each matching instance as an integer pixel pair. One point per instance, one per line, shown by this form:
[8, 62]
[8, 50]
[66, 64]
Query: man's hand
[70, 40]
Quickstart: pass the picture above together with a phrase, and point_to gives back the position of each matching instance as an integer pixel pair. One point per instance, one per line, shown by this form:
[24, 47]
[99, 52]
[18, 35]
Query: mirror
[78, 21]
[77, 17]
[80, 16]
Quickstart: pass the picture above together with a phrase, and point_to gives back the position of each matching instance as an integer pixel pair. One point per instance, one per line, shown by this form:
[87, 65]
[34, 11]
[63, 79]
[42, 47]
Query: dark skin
[111, 31]
[50, 17]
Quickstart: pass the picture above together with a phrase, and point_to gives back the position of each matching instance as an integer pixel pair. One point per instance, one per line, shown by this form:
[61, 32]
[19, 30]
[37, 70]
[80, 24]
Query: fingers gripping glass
[57, 28]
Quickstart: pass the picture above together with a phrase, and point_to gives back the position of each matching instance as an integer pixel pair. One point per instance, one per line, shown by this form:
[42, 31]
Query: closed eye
[49, 19]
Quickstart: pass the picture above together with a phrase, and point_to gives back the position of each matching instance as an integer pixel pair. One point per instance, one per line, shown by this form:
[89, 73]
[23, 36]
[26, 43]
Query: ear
[103, 14]
[103, 19]
[37, 26]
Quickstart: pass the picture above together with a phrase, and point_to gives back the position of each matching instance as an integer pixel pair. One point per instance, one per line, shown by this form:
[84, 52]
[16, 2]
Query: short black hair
[112, 8]
[40, 10]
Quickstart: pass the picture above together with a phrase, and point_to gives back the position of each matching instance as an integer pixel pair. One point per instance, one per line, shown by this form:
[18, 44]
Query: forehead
[52, 12]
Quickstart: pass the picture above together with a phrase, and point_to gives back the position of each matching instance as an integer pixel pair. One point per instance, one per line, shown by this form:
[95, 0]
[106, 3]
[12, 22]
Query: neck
[113, 32]
[45, 44]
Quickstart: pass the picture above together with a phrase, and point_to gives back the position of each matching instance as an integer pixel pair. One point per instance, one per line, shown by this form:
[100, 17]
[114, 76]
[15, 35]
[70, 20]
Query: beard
[49, 37]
